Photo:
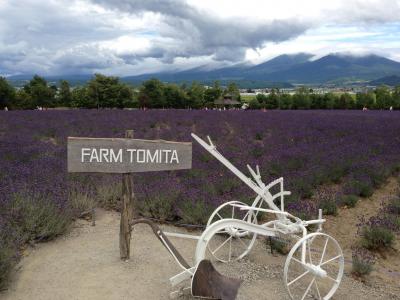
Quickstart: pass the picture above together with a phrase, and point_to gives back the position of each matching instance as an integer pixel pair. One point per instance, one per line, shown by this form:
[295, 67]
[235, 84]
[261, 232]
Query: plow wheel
[320, 274]
[231, 243]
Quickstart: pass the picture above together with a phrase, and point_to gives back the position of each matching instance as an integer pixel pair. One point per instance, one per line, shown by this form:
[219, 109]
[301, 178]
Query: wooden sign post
[126, 156]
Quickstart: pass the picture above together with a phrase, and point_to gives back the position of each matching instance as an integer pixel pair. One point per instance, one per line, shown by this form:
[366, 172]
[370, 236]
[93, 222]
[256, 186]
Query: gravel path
[85, 265]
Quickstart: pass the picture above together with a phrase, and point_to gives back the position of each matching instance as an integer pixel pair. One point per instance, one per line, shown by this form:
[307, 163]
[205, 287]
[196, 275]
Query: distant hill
[336, 66]
[393, 80]
[296, 68]
[281, 71]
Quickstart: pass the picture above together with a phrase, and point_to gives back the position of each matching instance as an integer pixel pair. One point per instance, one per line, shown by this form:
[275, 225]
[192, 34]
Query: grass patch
[362, 262]
[376, 237]
[349, 200]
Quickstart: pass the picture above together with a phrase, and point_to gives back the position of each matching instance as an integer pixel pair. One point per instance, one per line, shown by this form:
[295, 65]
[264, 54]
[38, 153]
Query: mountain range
[280, 71]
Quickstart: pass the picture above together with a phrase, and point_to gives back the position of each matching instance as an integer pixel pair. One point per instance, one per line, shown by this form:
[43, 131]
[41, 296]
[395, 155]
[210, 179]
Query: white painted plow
[313, 267]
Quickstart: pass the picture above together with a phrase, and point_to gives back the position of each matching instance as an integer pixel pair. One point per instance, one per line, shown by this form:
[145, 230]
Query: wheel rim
[322, 274]
[231, 243]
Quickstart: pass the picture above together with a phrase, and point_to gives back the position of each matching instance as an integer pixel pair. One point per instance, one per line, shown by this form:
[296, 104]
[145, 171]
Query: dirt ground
[85, 264]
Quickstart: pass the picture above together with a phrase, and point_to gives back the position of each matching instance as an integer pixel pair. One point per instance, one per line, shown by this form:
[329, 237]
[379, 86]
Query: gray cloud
[57, 37]
[199, 33]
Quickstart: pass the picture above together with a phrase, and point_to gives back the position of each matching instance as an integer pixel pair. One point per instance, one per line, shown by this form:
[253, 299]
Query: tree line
[109, 92]
[304, 98]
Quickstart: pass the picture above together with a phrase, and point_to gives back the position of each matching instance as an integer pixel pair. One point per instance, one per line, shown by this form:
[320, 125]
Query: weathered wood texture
[128, 198]
[81, 158]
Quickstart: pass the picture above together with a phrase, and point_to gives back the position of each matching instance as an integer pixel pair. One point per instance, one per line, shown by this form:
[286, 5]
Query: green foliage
[272, 101]
[233, 91]
[7, 93]
[345, 101]
[152, 94]
[383, 97]
[301, 99]
[365, 100]
[159, 206]
[278, 244]
[109, 195]
[195, 94]
[254, 104]
[362, 262]
[8, 252]
[396, 97]
[329, 207]
[81, 201]
[212, 94]
[107, 91]
[349, 200]
[195, 212]
[375, 237]
[65, 96]
[80, 98]
[37, 218]
[40, 94]
[285, 101]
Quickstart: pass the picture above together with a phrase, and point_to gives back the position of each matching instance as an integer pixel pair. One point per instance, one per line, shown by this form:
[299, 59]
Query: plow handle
[164, 240]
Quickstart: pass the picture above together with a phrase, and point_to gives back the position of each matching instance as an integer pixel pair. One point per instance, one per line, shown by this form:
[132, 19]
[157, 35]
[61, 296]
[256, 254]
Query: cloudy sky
[128, 37]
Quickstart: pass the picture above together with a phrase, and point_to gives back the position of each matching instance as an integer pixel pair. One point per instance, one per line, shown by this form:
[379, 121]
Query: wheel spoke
[316, 287]
[220, 246]
[243, 243]
[299, 277]
[230, 250]
[309, 253]
[298, 261]
[219, 215]
[308, 288]
[330, 260]
[333, 279]
[233, 211]
[323, 251]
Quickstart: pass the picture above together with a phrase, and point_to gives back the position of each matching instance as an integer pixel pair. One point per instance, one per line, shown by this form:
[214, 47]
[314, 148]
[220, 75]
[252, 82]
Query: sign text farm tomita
[127, 155]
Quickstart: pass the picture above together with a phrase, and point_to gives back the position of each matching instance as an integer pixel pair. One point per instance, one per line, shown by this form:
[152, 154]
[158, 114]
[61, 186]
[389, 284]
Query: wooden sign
[124, 155]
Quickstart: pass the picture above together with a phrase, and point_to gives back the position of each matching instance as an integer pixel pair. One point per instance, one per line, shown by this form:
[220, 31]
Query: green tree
[151, 94]
[212, 94]
[254, 104]
[80, 98]
[262, 99]
[383, 97]
[365, 100]
[285, 101]
[64, 94]
[329, 100]
[396, 97]
[345, 101]
[107, 91]
[317, 101]
[39, 92]
[233, 91]
[272, 101]
[301, 99]
[22, 100]
[7, 93]
[195, 95]
[175, 97]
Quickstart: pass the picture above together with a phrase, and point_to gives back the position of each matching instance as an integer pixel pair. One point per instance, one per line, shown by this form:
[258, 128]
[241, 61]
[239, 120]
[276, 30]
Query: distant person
[365, 109]
[6, 108]
[391, 108]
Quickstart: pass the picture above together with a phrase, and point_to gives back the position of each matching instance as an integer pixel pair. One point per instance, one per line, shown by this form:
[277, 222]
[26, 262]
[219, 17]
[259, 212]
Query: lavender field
[353, 150]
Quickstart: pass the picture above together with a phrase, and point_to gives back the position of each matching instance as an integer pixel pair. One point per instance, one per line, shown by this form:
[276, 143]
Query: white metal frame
[285, 223]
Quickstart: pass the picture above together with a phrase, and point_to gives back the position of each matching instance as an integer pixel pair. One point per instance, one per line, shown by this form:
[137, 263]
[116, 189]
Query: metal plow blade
[208, 283]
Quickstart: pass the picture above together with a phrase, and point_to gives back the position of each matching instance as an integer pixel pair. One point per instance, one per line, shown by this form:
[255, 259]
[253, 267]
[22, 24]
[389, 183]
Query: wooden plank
[128, 198]
[122, 155]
